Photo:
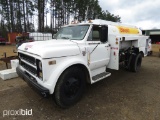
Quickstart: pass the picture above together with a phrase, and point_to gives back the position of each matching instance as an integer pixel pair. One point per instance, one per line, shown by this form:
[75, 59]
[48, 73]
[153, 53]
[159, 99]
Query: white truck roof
[117, 28]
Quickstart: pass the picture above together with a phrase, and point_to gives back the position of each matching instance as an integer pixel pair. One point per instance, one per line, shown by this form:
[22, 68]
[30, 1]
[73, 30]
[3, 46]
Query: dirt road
[123, 96]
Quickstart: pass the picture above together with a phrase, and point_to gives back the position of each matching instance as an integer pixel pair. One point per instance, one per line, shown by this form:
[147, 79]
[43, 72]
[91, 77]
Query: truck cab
[80, 53]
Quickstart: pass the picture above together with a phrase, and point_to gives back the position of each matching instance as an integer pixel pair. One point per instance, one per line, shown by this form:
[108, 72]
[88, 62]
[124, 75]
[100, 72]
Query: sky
[144, 14]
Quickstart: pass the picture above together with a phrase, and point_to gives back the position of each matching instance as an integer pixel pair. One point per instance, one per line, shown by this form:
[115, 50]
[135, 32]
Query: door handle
[93, 43]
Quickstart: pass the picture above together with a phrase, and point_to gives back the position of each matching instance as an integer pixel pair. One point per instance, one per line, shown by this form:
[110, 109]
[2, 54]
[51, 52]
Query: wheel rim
[72, 87]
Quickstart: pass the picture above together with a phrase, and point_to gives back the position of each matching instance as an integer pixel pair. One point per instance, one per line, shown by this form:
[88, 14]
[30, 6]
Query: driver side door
[98, 52]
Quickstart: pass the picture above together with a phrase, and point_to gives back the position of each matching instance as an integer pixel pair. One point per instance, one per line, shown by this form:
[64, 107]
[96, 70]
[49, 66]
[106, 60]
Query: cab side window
[95, 33]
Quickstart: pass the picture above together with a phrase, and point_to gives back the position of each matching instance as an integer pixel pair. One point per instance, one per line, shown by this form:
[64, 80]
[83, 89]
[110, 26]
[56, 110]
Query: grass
[8, 49]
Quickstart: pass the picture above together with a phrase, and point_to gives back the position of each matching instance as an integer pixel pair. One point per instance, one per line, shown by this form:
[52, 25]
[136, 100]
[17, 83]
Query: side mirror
[104, 34]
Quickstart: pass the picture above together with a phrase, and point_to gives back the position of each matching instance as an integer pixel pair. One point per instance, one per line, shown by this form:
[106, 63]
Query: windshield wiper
[65, 37]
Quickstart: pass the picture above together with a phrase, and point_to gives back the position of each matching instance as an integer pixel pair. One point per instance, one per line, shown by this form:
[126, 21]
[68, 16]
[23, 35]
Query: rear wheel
[70, 87]
[136, 63]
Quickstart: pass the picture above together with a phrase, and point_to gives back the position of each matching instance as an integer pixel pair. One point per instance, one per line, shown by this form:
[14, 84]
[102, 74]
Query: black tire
[128, 63]
[70, 87]
[136, 63]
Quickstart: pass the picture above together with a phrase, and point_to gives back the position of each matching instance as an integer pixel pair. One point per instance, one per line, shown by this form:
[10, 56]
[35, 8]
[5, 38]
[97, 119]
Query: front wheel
[70, 87]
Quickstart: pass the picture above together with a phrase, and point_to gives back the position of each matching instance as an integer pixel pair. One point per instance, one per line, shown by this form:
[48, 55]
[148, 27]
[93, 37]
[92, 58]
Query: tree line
[25, 15]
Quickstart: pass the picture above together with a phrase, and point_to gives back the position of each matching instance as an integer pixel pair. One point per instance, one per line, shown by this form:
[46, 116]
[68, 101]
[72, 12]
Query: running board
[100, 76]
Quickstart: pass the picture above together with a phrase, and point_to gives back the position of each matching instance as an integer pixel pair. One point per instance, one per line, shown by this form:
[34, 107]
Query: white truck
[80, 53]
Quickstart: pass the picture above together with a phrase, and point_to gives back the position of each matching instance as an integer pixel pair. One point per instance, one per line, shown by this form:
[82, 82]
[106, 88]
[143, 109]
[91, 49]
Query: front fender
[61, 67]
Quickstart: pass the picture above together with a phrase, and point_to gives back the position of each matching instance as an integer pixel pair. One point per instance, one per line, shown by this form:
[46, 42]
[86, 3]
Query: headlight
[40, 65]
[39, 69]
[40, 74]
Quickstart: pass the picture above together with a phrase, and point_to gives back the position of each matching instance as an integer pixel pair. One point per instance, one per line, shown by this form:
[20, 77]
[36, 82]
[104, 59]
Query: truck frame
[80, 53]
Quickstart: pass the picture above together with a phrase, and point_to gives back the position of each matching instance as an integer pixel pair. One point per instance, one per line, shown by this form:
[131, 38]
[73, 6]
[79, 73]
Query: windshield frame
[67, 38]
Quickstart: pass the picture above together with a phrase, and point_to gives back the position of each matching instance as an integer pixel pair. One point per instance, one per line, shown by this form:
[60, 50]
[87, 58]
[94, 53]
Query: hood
[51, 48]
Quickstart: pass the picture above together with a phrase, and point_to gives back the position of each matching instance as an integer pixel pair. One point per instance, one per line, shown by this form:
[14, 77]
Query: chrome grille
[29, 68]
[30, 64]
[27, 58]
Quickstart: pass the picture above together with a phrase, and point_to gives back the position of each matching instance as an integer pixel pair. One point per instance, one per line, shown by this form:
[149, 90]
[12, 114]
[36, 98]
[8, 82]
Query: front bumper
[33, 83]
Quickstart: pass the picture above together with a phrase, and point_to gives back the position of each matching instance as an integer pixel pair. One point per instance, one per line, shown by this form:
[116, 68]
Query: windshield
[72, 32]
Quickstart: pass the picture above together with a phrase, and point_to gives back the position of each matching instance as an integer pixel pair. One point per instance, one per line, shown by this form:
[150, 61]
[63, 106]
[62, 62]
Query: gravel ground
[123, 96]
